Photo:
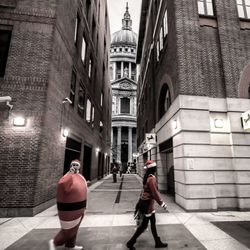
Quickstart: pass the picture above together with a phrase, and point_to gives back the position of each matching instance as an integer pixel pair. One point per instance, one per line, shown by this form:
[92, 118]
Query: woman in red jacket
[148, 197]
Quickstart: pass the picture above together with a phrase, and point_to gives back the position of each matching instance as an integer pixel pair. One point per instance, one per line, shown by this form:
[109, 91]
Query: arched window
[164, 101]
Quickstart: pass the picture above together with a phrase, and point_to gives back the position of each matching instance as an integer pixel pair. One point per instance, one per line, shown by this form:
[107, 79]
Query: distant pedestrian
[71, 205]
[146, 208]
[120, 170]
[114, 170]
[128, 168]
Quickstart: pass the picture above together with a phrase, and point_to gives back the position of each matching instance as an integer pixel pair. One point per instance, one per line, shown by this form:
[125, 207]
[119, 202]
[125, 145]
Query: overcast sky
[117, 8]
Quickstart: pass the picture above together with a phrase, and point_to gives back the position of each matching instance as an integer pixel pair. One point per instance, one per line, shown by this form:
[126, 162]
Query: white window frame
[165, 23]
[88, 110]
[161, 38]
[243, 7]
[206, 7]
[83, 52]
[76, 28]
[90, 67]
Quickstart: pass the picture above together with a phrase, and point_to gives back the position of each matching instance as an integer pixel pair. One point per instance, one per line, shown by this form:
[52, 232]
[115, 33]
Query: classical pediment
[124, 83]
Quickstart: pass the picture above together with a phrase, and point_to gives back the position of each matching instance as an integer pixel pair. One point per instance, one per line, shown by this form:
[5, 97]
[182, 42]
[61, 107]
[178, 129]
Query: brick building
[193, 88]
[54, 71]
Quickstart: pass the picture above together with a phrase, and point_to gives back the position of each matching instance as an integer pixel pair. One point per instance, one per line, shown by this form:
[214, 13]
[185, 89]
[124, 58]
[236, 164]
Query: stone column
[114, 70]
[122, 68]
[119, 141]
[130, 149]
[129, 71]
[112, 139]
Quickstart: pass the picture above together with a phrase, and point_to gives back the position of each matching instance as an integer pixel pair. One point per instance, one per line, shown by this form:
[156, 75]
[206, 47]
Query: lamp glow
[97, 150]
[65, 132]
[19, 121]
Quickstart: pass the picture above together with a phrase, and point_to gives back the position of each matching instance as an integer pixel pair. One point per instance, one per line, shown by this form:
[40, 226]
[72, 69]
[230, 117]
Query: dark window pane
[5, 36]
[125, 105]
[73, 87]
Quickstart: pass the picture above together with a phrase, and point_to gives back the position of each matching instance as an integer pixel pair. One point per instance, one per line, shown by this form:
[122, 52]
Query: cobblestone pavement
[109, 223]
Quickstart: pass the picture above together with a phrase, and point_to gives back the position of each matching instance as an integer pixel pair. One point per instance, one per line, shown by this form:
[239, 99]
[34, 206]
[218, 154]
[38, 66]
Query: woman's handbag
[142, 206]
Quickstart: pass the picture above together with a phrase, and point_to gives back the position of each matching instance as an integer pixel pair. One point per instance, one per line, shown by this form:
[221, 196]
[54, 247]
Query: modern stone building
[124, 86]
[193, 89]
[54, 71]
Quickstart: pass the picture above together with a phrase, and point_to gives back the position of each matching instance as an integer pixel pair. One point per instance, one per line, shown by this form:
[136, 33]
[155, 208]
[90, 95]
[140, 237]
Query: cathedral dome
[125, 36]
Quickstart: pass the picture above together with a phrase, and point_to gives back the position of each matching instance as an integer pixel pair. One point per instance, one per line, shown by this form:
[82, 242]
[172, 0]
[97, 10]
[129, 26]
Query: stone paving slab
[112, 238]
[239, 230]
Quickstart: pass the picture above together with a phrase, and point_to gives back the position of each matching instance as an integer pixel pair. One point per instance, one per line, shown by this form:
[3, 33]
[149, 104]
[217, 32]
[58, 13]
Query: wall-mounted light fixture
[19, 121]
[97, 150]
[218, 123]
[66, 100]
[105, 154]
[65, 132]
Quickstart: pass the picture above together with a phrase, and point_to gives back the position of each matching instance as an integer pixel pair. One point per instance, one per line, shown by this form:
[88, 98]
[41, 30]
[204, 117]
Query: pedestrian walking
[120, 170]
[128, 169]
[114, 169]
[146, 208]
[71, 205]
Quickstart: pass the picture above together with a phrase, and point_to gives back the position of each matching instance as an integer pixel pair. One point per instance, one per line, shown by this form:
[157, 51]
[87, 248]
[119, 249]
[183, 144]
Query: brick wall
[38, 73]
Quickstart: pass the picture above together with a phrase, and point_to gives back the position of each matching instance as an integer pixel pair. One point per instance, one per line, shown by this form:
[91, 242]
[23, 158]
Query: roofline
[142, 27]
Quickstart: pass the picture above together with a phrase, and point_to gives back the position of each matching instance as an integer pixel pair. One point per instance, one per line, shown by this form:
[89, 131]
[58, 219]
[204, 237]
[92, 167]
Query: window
[243, 7]
[161, 39]
[76, 28]
[205, 7]
[72, 87]
[92, 116]
[111, 72]
[249, 92]
[90, 67]
[165, 24]
[83, 49]
[158, 50]
[5, 36]
[88, 111]
[102, 99]
[113, 104]
[164, 100]
[125, 105]
[81, 101]
[101, 126]
[88, 3]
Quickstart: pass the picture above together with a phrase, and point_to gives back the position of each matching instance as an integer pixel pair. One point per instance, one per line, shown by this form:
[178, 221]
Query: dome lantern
[126, 21]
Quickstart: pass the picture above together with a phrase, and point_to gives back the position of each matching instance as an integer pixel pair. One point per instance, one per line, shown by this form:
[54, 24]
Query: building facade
[124, 87]
[193, 90]
[55, 97]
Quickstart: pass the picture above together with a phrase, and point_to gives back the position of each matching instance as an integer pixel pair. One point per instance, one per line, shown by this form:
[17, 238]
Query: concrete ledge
[25, 211]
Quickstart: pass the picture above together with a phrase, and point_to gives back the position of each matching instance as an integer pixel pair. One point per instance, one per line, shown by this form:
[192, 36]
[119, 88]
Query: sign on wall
[245, 117]
[150, 138]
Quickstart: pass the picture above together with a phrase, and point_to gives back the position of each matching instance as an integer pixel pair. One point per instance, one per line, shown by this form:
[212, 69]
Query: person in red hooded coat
[71, 204]
[146, 207]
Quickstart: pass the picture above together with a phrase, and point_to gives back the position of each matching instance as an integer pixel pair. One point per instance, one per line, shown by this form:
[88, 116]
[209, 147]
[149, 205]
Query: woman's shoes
[159, 244]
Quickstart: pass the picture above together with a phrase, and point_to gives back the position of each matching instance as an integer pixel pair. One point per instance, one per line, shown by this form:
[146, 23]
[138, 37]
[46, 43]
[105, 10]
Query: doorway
[86, 170]
[166, 149]
[72, 152]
